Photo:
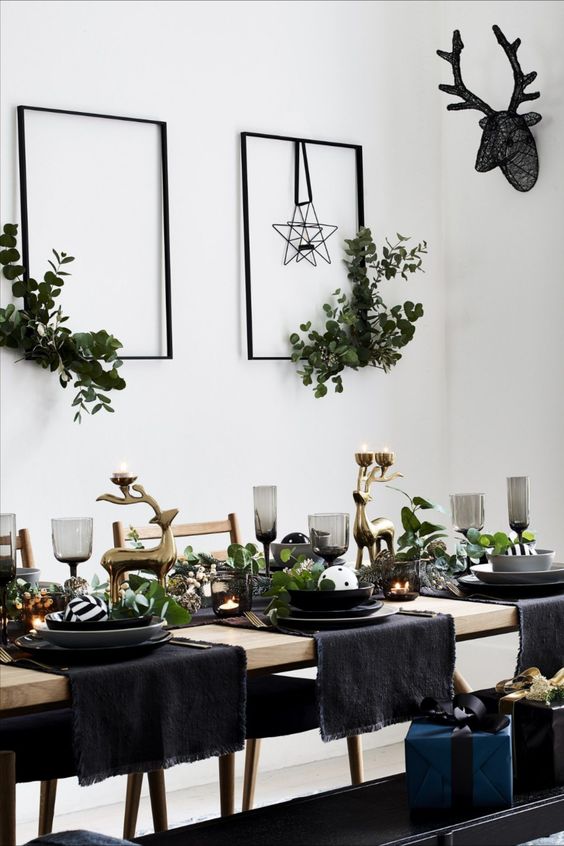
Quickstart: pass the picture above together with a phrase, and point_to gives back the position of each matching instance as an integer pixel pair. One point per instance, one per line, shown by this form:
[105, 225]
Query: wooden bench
[373, 814]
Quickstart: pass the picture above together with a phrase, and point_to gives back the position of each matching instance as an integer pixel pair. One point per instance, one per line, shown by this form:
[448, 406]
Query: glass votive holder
[36, 608]
[401, 581]
[232, 594]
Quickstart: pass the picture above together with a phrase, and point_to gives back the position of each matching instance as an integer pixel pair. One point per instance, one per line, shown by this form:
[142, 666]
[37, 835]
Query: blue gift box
[473, 769]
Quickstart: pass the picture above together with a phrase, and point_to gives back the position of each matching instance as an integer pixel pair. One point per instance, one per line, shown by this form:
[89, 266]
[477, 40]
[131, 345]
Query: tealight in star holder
[371, 534]
[120, 560]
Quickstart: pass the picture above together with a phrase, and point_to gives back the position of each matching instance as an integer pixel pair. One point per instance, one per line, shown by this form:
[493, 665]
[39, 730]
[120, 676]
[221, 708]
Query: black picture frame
[246, 225]
[24, 205]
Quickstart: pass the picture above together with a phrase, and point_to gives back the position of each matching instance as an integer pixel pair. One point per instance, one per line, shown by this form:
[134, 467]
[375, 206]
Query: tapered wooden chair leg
[8, 798]
[132, 797]
[356, 763]
[227, 784]
[47, 796]
[460, 684]
[157, 792]
[252, 754]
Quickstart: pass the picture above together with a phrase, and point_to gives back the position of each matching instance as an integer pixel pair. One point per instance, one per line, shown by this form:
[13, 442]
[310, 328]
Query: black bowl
[330, 600]
[55, 621]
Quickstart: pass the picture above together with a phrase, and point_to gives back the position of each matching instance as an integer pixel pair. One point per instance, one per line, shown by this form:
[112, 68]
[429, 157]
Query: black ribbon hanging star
[305, 236]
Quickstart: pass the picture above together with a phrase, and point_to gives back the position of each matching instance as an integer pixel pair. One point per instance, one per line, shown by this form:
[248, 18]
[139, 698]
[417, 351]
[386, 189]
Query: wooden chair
[25, 735]
[276, 705]
[23, 543]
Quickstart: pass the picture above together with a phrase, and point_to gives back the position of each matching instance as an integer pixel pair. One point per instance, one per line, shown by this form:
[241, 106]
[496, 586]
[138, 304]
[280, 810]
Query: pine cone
[178, 585]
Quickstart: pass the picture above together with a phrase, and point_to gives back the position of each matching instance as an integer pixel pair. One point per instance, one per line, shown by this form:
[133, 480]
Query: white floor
[201, 802]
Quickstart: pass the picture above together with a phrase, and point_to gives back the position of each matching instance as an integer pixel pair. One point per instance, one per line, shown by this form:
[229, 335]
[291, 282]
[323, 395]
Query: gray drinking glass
[467, 512]
[518, 503]
[7, 565]
[265, 508]
[72, 540]
[329, 535]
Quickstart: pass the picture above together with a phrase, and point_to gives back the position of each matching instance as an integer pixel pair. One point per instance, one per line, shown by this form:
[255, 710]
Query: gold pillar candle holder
[371, 534]
[159, 559]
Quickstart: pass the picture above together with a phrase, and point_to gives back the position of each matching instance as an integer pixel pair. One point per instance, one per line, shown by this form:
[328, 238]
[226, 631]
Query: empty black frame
[357, 148]
[24, 188]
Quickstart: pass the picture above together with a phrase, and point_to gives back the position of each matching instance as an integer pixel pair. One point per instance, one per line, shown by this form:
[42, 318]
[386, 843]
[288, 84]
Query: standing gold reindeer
[367, 533]
[158, 559]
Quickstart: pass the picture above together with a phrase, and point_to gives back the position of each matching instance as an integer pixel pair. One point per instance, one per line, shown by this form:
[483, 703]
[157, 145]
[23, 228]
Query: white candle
[230, 605]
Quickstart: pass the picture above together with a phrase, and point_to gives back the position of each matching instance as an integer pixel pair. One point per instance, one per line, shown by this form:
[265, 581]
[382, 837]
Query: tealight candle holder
[364, 459]
[123, 477]
[401, 581]
[232, 594]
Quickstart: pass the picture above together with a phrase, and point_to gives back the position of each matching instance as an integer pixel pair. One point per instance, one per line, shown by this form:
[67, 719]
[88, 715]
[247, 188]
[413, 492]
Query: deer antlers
[472, 101]
[520, 80]
[129, 499]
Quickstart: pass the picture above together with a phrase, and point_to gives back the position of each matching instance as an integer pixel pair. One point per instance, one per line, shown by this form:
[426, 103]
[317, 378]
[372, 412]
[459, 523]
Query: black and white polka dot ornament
[343, 577]
[86, 609]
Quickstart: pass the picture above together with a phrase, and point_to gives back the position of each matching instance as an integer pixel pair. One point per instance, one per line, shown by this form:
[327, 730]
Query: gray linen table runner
[541, 628]
[369, 678]
[172, 706]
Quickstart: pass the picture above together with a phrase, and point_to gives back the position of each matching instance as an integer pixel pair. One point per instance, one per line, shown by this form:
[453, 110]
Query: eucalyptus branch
[360, 330]
[37, 330]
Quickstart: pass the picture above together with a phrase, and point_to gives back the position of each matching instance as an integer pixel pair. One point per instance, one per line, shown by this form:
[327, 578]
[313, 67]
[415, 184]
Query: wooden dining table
[24, 691]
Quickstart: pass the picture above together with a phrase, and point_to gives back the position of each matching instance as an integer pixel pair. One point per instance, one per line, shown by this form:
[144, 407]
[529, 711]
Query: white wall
[205, 427]
[503, 276]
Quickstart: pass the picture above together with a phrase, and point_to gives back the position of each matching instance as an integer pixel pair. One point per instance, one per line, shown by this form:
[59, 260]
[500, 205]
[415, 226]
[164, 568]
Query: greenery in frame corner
[88, 359]
[360, 329]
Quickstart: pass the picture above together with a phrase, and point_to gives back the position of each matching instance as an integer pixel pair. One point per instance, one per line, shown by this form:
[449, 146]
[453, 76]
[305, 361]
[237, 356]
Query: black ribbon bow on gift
[466, 714]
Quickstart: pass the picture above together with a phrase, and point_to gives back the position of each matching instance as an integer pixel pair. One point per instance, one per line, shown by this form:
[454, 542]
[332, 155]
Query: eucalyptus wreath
[360, 329]
[38, 331]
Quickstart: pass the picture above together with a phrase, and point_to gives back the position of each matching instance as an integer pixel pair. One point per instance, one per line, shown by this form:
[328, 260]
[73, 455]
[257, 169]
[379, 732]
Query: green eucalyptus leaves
[38, 331]
[360, 329]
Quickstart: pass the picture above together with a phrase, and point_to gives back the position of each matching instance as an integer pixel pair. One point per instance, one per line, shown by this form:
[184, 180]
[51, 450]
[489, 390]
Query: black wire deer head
[507, 141]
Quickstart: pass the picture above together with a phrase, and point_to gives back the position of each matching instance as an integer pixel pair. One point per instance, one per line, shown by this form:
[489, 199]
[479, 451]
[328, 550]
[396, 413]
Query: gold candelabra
[159, 559]
[370, 534]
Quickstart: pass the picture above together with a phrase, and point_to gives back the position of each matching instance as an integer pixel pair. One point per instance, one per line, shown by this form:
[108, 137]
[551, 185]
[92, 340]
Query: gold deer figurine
[158, 559]
[370, 534]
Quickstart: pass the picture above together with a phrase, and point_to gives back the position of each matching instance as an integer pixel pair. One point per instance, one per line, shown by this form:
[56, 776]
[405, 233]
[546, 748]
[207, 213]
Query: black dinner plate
[66, 656]
[323, 623]
[474, 585]
[54, 621]
[330, 600]
[363, 610]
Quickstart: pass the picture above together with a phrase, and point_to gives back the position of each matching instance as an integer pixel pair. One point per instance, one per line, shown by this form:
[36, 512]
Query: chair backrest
[230, 527]
[23, 543]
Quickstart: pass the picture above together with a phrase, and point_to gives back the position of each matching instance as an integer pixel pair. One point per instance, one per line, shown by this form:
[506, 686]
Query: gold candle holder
[364, 459]
[123, 477]
[371, 534]
[158, 559]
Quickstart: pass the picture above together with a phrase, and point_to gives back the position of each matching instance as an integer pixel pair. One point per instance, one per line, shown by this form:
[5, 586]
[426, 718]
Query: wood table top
[24, 690]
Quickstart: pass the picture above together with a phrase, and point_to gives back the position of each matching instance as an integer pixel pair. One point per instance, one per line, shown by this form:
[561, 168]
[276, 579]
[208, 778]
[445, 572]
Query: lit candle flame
[230, 605]
[364, 448]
